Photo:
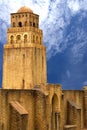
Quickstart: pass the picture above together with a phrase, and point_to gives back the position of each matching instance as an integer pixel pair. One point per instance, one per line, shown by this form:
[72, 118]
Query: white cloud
[73, 5]
[76, 5]
[54, 17]
[38, 6]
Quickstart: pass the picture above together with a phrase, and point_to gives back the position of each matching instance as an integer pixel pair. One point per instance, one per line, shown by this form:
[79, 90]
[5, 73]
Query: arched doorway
[55, 114]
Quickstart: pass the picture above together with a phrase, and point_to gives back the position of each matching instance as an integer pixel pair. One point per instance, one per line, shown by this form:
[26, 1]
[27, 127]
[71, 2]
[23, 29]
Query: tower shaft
[24, 55]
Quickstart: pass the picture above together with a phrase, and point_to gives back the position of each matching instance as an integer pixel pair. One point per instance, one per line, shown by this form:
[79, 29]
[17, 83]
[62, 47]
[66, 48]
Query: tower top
[24, 9]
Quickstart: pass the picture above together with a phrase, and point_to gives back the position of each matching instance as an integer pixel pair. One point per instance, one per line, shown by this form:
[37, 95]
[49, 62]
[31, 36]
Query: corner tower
[24, 55]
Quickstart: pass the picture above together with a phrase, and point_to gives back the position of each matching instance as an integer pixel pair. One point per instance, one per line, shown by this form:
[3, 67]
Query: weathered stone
[27, 102]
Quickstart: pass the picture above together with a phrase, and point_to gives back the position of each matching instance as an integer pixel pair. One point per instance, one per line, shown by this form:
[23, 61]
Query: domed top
[24, 9]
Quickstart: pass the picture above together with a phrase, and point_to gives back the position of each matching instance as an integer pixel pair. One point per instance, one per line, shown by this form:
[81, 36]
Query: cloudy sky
[55, 20]
[55, 15]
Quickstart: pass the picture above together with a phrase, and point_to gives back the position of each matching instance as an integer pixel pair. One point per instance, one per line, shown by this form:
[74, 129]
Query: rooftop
[24, 9]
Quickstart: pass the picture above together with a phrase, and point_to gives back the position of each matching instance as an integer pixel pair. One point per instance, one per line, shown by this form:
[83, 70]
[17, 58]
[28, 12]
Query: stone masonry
[27, 101]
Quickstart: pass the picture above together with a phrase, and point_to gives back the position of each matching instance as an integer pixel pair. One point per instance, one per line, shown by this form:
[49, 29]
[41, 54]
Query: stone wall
[32, 101]
[24, 67]
[72, 114]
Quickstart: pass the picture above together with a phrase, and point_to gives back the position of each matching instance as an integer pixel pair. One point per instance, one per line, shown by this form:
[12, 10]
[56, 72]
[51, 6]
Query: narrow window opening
[12, 39]
[25, 38]
[20, 24]
[33, 24]
[18, 38]
[23, 56]
[23, 81]
[37, 38]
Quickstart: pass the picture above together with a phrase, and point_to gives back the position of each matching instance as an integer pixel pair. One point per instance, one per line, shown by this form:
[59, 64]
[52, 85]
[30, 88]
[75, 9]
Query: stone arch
[18, 38]
[36, 38]
[25, 38]
[11, 39]
[55, 102]
[20, 24]
[55, 113]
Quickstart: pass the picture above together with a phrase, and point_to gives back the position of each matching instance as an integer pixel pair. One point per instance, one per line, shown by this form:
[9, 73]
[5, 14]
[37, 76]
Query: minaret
[24, 55]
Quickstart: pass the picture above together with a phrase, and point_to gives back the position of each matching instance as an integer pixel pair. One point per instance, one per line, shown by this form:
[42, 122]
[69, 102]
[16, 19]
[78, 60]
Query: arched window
[25, 38]
[18, 38]
[12, 39]
[13, 24]
[36, 38]
[20, 24]
[33, 24]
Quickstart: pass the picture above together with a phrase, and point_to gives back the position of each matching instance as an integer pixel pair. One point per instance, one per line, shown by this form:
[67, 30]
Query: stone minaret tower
[24, 55]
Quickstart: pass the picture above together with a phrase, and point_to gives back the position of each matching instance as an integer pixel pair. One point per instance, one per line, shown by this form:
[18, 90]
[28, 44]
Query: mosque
[27, 101]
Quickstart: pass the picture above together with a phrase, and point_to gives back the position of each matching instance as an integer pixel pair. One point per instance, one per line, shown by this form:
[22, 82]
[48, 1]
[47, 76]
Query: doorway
[55, 114]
